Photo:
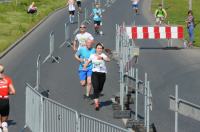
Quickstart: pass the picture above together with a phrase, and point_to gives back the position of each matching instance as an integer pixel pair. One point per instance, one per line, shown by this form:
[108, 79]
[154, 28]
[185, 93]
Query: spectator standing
[190, 27]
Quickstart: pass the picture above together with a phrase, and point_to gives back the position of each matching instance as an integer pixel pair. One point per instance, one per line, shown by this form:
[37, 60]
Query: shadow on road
[106, 103]
[162, 48]
[11, 123]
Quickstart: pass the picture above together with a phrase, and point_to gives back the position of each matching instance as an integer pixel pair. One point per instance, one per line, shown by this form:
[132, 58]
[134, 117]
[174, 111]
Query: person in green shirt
[160, 14]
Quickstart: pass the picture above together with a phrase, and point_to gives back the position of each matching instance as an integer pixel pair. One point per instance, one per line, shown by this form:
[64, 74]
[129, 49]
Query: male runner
[81, 37]
[85, 74]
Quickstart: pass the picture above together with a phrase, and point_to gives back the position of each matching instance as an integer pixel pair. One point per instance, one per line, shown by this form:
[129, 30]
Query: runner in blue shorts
[82, 55]
[135, 5]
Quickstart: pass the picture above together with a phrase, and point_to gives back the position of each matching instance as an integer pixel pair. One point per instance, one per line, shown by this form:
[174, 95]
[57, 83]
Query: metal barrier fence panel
[33, 109]
[90, 124]
[58, 118]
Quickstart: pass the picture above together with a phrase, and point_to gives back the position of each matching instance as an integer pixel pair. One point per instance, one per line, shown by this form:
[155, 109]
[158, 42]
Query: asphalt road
[164, 67]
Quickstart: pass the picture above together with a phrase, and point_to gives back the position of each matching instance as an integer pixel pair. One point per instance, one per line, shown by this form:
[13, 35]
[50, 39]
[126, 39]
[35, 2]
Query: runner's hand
[81, 60]
[108, 51]
[99, 58]
[84, 67]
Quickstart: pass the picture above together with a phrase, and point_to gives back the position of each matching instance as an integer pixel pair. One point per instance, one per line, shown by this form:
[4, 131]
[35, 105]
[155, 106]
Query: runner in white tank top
[71, 8]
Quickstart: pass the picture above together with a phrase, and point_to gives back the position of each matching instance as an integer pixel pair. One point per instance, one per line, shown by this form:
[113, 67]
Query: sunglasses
[82, 27]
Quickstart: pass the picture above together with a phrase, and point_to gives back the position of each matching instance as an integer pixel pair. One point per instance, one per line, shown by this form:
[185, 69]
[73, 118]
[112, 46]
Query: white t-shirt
[71, 5]
[81, 38]
[98, 65]
[135, 2]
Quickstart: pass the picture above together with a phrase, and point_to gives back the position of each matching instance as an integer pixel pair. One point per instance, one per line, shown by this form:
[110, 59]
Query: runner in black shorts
[71, 7]
[78, 2]
[98, 23]
[4, 107]
[6, 88]
[71, 13]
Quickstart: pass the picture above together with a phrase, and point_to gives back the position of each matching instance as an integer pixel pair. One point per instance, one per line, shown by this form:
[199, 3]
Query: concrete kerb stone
[26, 34]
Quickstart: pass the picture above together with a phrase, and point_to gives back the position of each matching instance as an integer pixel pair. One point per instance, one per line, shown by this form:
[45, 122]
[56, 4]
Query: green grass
[15, 22]
[177, 13]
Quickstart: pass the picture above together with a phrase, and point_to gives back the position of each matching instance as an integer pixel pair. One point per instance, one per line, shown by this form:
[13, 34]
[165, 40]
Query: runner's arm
[78, 58]
[74, 44]
[11, 89]
[106, 58]
[86, 64]
[92, 13]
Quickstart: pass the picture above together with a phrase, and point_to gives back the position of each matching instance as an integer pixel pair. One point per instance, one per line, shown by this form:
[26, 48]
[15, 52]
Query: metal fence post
[122, 85]
[117, 39]
[78, 25]
[51, 50]
[176, 108]
[78, 123]
[145, 101]
[86, 20]
[66, 41]
[78, 21]
[41, 117]
[38, 73]
[136, 95]
[85, 15]
[148, 104]
[122, 95]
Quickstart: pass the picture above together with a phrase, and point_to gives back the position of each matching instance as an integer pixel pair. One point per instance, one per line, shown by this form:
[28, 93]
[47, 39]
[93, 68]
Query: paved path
[165, 68]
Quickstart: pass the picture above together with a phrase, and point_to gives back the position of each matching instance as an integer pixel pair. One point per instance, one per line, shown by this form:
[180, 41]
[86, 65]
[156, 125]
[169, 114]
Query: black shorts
[78, 3]
[71, 12]
[97, 22]
[4, 107]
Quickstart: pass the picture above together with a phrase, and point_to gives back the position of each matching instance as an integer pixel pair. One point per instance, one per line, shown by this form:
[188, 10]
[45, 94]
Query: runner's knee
[82, 83]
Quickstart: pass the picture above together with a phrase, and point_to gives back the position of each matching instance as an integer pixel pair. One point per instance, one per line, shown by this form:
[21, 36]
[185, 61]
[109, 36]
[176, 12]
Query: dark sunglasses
[82, 27]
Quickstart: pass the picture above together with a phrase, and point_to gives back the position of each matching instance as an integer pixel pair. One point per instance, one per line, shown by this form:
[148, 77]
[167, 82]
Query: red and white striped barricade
[156, 32]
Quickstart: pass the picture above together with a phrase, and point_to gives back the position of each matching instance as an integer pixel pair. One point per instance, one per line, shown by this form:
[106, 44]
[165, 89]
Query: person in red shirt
[6, 88]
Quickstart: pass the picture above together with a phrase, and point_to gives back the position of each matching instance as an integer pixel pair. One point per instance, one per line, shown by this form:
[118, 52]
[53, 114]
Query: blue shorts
[134, 6]
[83, 74]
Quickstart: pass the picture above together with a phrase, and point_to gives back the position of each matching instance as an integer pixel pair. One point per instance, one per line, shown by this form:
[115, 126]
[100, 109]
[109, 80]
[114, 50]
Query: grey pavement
[165, 68]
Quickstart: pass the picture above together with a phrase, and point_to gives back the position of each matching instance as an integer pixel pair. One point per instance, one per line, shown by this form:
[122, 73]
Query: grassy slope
[14, 21]
[177, 13]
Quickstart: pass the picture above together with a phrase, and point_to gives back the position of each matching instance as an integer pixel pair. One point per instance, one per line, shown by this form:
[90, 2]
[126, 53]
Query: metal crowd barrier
[128, 54]
[46, 115]
[58, 118]
[91, 124]
[33, 110]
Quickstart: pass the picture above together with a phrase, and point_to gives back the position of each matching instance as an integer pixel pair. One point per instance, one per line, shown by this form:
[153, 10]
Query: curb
[27, 33]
